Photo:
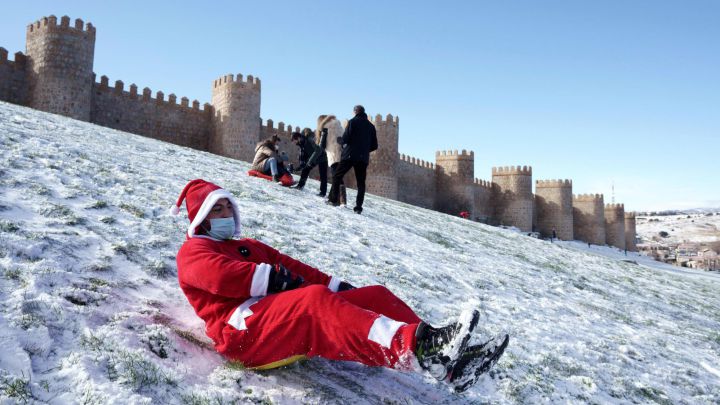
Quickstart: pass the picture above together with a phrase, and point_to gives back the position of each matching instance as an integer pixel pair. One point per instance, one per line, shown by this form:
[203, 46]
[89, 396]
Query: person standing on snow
[310, 155]
[358, 140]
[265, 309]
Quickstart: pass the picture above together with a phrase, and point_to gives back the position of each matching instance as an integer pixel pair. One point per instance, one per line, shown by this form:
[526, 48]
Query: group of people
[329, 147]
[266, 309]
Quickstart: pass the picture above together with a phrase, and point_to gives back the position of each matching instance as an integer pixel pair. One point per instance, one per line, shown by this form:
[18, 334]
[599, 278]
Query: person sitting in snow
[267, 159]
[266, 309]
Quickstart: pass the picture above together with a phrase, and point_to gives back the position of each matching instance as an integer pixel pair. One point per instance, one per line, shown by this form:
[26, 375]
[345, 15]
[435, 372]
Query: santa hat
[200, 196]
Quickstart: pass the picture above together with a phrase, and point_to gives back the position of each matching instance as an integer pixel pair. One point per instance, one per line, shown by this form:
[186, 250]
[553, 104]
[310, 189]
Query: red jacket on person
[218, 276]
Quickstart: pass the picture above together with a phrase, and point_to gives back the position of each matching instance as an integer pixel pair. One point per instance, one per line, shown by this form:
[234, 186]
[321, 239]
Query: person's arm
[206, 269]
[315, 155]
[374, 142]
[323, 140]
[309, 273]
[346, 137]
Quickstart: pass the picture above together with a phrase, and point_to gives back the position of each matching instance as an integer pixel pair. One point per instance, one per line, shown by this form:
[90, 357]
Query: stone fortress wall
[56, 75]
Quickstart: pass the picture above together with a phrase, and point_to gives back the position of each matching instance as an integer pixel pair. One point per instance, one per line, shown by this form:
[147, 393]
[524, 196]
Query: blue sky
[612, 92]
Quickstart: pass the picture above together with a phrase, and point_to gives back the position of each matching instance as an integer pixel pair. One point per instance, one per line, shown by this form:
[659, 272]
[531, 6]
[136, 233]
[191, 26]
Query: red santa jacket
[218, 276]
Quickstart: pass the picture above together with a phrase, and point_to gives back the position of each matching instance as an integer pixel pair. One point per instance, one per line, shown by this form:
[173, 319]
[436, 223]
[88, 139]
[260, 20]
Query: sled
[280, 363]
[286, 179]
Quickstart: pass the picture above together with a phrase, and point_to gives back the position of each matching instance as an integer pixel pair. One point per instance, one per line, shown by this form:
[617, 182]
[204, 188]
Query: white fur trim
[332, 147]
[383, 330]
[237, 319]
[174, 210]
[259, 285]
[207, 205]
[334, 284]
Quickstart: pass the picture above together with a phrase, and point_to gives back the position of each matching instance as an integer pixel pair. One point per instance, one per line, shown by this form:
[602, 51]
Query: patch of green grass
[17, 388]
[107, 220]
[159, 269]
[99, 204]
[13, 274]
[9, 227]
[133, 210]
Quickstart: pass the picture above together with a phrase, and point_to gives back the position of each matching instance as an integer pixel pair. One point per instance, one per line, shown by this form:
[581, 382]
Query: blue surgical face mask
[222, 228]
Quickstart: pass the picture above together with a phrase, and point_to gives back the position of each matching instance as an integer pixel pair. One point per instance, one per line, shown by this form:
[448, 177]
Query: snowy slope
[91, 311]
[699, 228]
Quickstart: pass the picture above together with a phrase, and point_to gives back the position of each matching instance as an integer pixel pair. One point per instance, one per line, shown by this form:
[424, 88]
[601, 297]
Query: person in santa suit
[266, 309]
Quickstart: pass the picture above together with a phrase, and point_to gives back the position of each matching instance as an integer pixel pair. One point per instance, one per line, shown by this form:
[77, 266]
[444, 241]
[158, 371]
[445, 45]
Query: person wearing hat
[311, 155]
[266, 309]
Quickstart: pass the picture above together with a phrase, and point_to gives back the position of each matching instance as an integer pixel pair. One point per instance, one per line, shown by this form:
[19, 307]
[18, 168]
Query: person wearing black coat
[358, 140]
[311, 155]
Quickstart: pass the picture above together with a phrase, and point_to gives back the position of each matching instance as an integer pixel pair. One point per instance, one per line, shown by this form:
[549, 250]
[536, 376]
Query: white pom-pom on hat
[174, 210]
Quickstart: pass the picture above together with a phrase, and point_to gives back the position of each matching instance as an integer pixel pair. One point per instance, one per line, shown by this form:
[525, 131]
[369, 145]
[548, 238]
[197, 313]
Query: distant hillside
[91, 311]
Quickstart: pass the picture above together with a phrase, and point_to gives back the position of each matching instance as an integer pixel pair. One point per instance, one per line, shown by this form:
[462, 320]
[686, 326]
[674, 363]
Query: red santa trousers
[369, 325]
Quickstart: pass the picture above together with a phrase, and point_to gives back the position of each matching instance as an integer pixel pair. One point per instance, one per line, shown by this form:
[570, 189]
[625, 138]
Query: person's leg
[271, 167]
[323, 169]
[360, 175]
[378, 299]
[303, 177]
[314, 321]
[339, 172]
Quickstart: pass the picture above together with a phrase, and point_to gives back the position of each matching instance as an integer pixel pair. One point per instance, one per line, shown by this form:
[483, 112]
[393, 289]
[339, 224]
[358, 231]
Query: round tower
[236, 118]
[513, 197]
[630, 232]
[589, 218]
[615, 225]
[60, 66]
[383, 169]
[554, 207]
[455, 176]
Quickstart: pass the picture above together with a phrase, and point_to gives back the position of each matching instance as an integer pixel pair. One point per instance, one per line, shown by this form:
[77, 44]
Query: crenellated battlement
[270, 126]
[389, 119]
[237, 80]
[454, 154]
[50, 24]
[553, 183]
[483, 183]
[512, 171]
[587, 197]
[415, 161]
[615, 207]
[119, 89]
[630, 215]
[18, 63]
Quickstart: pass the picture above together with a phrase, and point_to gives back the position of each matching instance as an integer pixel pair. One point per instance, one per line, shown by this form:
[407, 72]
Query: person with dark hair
[358, 140]
[311, 155]
[265, 309]
[269, 162]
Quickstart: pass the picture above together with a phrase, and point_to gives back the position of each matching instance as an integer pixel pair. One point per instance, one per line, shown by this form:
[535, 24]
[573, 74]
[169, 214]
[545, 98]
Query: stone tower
[60, 66]
[615, 225]
[630, 232]
[236, 118]
[513, 197]
[382, 176]
[554, 205]
[455, 175]
[589, 218]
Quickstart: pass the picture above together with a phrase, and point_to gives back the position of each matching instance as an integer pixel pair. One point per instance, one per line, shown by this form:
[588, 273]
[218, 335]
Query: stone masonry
[615, 225]
[554, 207]
[56, 75]
[589, 218]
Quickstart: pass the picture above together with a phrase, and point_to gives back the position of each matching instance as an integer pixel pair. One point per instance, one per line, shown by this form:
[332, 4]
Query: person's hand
[282, 279]
[344, 286]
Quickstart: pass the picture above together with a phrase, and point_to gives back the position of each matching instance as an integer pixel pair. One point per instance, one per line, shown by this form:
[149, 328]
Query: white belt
[237, 319]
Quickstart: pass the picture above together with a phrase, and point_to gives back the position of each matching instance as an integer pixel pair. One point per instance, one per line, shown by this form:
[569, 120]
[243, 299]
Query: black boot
[437, 349]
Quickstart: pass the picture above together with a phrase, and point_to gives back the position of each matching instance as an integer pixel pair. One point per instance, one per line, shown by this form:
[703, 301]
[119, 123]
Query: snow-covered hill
[91, 311]
[697, 228]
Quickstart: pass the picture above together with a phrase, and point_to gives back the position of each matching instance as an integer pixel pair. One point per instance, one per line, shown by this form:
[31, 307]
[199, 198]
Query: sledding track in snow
[87, 274]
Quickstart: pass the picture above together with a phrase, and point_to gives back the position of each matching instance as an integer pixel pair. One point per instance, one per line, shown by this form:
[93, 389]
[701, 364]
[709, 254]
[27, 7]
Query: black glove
[291, 169]
[282, 279]
[344, 286]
